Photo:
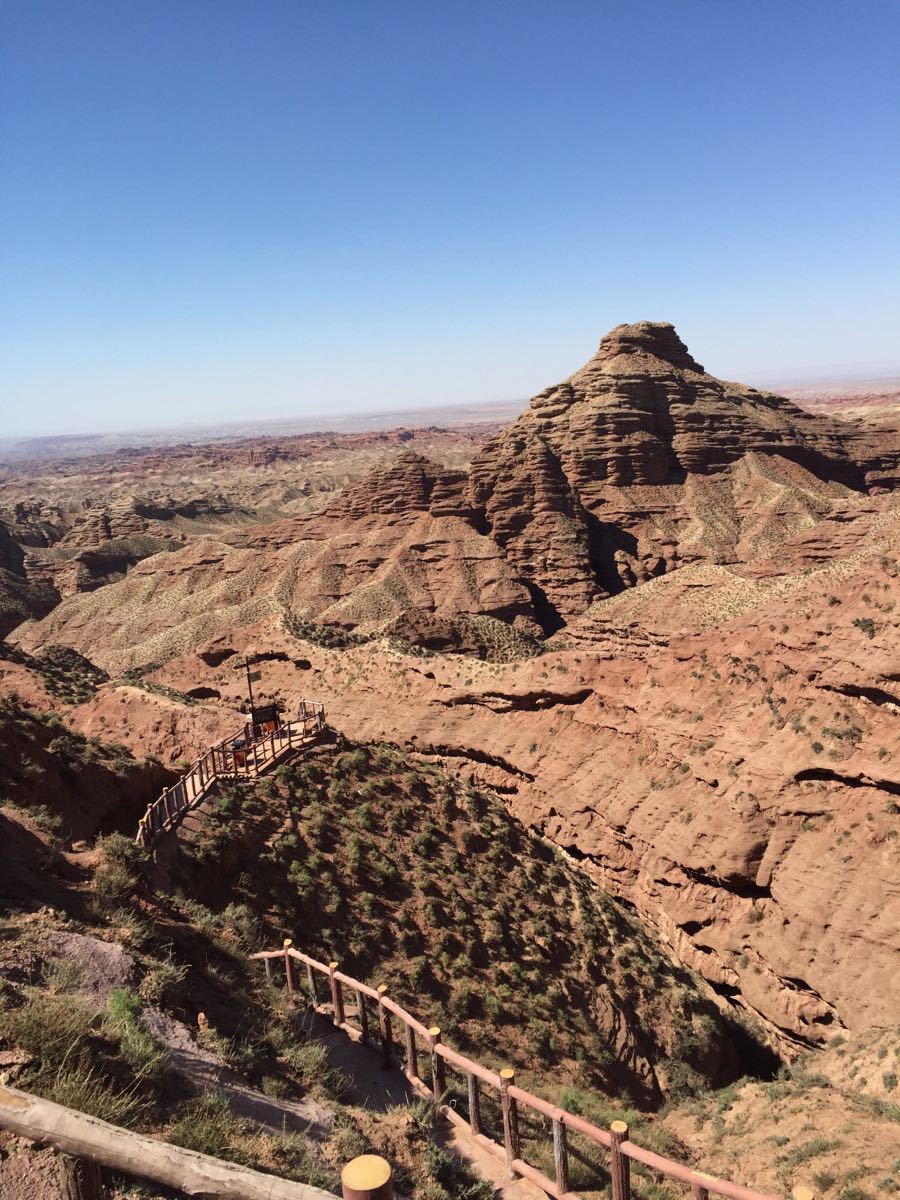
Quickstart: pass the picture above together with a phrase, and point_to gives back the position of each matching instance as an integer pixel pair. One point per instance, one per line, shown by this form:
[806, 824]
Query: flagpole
[250, 690]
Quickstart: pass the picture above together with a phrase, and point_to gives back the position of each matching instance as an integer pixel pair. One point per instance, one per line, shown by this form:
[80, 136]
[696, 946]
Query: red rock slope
[638, 464]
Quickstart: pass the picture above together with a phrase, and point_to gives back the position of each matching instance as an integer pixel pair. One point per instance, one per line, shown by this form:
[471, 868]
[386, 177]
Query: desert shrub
[244, 924]
[309, 1063]
[48, 1026]
[808, 1150]
[137, 1046]
[162, 982]
[684, 1081]
[72, 1065]
[206, 1124]
[84, 1088]
[353, 762]
[346, 1141]
[119, 871]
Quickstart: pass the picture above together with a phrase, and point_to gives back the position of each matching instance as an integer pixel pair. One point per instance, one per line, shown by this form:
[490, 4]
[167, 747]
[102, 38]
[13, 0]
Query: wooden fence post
[510, 1120]
[698, 1191]
[438, 1080]
[363, 1015]
[385, 1028]
[367, 1178]
[311, 980]
[560, 1156]
[80, 1179]
[474, 1102]
[620, 1167]
[412, 1057]
[289, 976]
[267, 963]
[337, 1002]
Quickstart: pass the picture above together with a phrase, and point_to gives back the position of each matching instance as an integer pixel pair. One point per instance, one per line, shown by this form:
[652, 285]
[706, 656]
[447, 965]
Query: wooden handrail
[221, 761]
[614, 1140]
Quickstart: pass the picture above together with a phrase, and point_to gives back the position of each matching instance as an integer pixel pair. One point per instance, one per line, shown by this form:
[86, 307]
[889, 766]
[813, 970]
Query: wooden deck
[239, 757]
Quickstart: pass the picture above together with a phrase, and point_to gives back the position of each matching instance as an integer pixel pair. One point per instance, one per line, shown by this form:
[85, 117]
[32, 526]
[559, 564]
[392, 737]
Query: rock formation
[637, 465]
[710, 728]
[642, 460]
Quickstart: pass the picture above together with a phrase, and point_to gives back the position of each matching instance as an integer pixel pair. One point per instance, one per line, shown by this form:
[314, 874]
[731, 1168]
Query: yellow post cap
[619, 1127]
[434, 1031]
[366, 1173]
[333, 966]
[507, 1073]
[288, 942]
[802, 1193]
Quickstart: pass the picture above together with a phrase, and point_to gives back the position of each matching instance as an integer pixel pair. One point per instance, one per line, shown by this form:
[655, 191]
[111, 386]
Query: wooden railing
[417, 1040]
[225, 761]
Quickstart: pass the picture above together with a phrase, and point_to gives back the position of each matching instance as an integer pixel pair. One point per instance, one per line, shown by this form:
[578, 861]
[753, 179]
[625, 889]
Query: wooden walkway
[239, 757]
[368, 1015]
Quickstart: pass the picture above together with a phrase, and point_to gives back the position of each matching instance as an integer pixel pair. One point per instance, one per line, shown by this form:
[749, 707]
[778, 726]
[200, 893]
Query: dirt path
[204, 1072]
[377, 1087]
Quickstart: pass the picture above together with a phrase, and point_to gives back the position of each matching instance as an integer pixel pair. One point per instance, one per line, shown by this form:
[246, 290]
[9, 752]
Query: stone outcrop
[640, 454]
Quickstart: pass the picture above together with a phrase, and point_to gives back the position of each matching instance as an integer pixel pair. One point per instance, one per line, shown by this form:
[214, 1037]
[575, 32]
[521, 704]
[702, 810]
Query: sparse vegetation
[412, 879]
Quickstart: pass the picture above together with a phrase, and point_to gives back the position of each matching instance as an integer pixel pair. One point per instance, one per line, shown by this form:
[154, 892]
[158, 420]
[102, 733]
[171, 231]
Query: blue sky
[215, 209]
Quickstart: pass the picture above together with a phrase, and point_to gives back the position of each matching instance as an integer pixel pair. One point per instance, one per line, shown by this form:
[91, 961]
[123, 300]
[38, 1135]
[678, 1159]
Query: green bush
[49, 1027]
[84, 1088]
[138, 1047]
[206, 1124]
[119, 871]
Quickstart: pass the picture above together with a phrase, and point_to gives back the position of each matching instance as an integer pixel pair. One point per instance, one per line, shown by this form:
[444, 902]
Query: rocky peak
[636, 464]
[656, 339]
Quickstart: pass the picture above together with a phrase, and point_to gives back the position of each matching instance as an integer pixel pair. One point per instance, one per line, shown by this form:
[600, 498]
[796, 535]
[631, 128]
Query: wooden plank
[362, 1015]
[412, 1057]
[311, 981]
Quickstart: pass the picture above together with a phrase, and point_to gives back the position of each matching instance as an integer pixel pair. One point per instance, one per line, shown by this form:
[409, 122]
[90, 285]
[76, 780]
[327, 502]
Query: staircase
[242, 756]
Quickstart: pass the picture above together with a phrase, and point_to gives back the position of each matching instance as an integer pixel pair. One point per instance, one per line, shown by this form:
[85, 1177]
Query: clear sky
[215, 208]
